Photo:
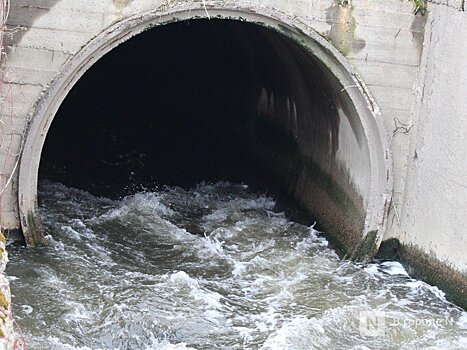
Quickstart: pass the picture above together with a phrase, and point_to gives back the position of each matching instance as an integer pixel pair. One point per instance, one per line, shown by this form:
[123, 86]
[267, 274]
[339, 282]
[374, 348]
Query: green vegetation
[35, 238]
[367, 248]
[421, 7]
[343, 2]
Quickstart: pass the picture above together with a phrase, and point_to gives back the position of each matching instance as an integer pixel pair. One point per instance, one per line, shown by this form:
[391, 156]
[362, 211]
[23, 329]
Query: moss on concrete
[34, 236]
[335, 192]
[427, 268]
[367, 248]
[277, 154]
[420, 7]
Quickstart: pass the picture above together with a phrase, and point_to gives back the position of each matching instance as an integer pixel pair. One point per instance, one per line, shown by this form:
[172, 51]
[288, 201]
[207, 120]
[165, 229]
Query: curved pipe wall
[303, 118]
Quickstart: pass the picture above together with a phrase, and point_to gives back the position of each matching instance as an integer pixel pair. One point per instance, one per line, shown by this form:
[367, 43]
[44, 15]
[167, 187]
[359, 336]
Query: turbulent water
[212, 267]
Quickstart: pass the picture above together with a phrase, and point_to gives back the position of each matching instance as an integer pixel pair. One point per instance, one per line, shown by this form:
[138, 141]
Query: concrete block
[51, 39]
[30, 76]
[84, 5]
[9, 147]
[386, 74]
[380, 18]
[59, 19]
[397, 118]
[399, 98]
[384, 5]
[25, 96]
[9, 218]
[33, 58]
[12, 125]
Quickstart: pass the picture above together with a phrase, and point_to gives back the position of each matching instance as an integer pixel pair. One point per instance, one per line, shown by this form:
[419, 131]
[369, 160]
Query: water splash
[211, 267]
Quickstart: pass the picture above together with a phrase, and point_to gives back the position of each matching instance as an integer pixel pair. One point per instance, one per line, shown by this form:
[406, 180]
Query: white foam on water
[372, 270]
[215, 317]
[55, 343]
[394, 268]
[462, 322]
[217, 216]
[70, 232]
[77, 223]
[212, 246]
[210, 299]
[310, 242]
[240, 267]
[168, 346]
[221, 233]
[56, 244]
[143, 203]
[77, 313]
[27, 309]
[417, 287]
[128, 275]
[181, 278]
[298, 333]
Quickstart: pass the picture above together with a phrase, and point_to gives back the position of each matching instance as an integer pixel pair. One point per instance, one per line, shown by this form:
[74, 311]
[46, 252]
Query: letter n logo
[372, 323]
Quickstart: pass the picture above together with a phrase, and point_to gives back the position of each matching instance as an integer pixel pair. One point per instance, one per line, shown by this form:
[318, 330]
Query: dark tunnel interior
[175, 106]
[154, 111]
[215, 100]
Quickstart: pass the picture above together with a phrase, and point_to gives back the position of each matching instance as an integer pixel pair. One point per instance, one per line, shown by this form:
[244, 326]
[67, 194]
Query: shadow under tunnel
[209, 100]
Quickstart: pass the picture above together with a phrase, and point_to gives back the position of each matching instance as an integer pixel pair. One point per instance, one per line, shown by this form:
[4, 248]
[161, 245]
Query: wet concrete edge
[430, 270]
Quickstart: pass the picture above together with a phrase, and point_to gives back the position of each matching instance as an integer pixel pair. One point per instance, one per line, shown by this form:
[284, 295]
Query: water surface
[216, 266]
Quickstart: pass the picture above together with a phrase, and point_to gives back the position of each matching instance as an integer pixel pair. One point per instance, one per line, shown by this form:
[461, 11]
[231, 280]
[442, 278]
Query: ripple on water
[211, 267]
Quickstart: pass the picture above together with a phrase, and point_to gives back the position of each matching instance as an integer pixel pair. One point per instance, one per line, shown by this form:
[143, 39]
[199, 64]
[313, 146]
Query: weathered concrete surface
[436, 192]
[432, 219]
[382, 40]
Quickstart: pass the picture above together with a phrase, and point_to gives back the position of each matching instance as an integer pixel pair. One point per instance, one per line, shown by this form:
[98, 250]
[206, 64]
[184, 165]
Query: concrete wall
[431, 221]
[417, 80]
[435, 202]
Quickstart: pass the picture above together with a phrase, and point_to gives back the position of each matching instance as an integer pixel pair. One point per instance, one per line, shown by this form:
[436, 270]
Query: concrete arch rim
[365, 105]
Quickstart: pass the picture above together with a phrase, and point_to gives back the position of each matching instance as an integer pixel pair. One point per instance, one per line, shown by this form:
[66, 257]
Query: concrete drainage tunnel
[210, 100]
[141, 233]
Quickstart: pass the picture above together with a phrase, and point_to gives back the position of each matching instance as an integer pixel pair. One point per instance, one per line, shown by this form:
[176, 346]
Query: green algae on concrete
[314, 191]
[35, 236]
[367, 248]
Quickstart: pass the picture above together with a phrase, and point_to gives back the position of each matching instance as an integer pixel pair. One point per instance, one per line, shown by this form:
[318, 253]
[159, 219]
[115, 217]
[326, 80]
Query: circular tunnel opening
[210, 100]
[185, 103]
